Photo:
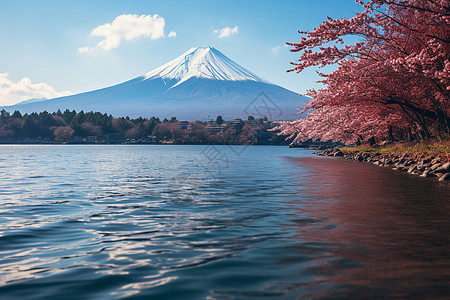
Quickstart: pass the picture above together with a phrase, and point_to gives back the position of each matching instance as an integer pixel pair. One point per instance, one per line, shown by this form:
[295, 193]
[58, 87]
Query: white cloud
[172, 34]
[276, 49]
[84, 49]
[14, 92]
[226, 31]
[126, 27]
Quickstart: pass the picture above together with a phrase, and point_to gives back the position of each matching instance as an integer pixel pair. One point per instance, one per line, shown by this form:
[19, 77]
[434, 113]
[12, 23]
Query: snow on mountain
[202, 62]
[200, 84]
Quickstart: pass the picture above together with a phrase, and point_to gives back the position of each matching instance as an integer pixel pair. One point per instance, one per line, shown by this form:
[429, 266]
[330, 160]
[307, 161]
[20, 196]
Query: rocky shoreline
[424, 165]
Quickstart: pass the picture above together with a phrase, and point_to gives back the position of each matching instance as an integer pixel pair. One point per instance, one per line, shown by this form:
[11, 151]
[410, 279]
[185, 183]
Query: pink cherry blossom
[392, 83]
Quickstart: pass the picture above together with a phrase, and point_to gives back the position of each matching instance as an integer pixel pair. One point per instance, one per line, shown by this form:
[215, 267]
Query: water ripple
[148, 222]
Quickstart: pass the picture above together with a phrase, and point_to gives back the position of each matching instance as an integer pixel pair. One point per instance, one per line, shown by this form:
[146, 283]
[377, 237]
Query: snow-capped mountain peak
[199, 85]
[202, 62]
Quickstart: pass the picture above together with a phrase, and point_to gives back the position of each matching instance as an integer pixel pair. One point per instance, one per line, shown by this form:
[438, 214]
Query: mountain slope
[200, 84]
[204, 62]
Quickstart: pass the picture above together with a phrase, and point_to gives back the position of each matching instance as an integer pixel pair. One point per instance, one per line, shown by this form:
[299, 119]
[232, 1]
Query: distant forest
[95, 127]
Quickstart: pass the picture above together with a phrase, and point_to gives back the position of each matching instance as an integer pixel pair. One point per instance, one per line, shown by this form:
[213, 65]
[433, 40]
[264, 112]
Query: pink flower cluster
[393, 83]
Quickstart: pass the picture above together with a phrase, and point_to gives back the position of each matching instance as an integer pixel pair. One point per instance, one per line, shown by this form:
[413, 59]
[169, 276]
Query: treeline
[95, 127]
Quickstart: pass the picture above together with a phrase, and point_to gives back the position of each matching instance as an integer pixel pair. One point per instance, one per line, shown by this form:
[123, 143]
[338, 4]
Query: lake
[216, 222]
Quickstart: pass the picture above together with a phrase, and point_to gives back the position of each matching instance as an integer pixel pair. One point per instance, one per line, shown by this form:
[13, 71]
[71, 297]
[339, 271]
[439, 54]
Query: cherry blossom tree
[63, 133]
[392, 82]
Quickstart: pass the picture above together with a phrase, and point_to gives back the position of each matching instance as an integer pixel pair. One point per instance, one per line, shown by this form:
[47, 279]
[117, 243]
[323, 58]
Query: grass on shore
[424, 147]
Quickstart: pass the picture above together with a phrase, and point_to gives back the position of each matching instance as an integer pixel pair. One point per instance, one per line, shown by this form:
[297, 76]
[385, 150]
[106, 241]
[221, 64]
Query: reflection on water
[166, 222]
[389, 231]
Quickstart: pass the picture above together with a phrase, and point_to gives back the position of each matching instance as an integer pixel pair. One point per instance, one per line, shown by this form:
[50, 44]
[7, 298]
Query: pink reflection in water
[388, 231]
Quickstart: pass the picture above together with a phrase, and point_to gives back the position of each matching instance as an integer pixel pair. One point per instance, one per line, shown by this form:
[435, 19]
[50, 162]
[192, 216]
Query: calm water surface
[216, 222]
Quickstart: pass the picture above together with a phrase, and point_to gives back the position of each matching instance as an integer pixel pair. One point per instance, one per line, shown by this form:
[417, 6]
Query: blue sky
[40, 40]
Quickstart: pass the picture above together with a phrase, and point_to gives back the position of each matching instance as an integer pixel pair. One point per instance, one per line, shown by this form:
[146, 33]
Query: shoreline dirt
[422, 164]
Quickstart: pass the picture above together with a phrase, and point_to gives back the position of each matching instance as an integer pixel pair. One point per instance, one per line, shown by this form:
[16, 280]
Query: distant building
[183, 124]
[114, 138]
[91, 139]
[235, 122]
[215, 129]
[77, 139]
[256, 124]
[149, 139]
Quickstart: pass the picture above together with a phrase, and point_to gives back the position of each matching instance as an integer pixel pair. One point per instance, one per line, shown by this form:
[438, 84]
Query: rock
[409, 162]
[426, 160]
[419, 164]
[325, 152]
[399, 165]
[435, 166]
[435, 160]
[412, 169]
[445, 168]
[445, 177]
[427, 173]
[338, 153]
[421, 168]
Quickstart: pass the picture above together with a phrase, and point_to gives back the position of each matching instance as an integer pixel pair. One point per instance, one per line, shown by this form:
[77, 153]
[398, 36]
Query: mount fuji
[200, 84]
